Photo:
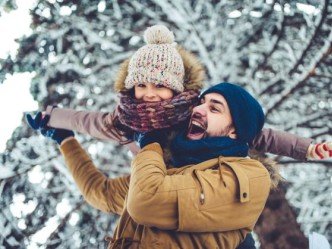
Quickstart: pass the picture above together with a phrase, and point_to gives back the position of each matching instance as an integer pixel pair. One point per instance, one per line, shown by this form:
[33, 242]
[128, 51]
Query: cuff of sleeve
[153, 147]
[49, 109]
[302, 148]
[68, 144]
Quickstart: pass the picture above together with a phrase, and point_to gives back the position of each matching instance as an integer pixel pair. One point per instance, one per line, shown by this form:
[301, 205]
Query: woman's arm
[96, 124]
[282, 143]
[99, 191]
[88, 122]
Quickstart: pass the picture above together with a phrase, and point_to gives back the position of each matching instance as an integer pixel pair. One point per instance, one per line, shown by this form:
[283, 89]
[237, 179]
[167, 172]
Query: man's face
[212, 118]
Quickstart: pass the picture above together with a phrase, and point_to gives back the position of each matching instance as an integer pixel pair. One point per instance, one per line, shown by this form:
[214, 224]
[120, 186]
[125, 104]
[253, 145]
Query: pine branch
[286, 163]
[268, 89]
[293, 86]
[258, 29]
[306, 120]
[311, 42]
[63, 222]
[326, 131]
[274, 47]
[323, 76]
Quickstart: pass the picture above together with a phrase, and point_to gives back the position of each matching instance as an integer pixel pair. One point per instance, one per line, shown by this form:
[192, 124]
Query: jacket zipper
[202, 194]
[202, 197]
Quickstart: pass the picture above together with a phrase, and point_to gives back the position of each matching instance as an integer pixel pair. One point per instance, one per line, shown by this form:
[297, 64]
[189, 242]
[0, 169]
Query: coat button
[244, 195]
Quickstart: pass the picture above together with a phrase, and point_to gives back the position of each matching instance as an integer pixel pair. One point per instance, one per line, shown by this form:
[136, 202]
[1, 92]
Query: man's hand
[156, 136]
[320, 151]
[39, 123]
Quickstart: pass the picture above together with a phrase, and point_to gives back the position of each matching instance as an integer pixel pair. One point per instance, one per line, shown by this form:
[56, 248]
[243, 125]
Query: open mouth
[196, 130]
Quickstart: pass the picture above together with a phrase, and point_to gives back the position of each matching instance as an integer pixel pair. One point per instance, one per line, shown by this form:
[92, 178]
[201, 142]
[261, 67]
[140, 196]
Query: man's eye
[213, 109]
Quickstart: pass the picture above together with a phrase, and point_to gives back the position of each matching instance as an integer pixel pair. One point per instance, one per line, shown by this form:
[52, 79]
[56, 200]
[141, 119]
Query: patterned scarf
[146, 116]
[186, 152]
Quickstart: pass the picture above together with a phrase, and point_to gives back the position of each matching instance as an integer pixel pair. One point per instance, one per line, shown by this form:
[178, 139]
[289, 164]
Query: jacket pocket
[212, 189]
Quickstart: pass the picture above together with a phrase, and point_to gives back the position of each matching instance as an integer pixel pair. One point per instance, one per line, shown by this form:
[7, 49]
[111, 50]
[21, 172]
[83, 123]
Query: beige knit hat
[157, 62]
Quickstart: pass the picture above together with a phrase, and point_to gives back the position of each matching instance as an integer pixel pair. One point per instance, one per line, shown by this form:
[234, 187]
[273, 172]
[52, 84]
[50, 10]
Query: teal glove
[39, 123]
[155, 136]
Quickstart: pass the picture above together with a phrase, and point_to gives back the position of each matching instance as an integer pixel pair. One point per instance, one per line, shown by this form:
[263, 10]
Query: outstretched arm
[286, 144]
[96, 124]
[281, 143]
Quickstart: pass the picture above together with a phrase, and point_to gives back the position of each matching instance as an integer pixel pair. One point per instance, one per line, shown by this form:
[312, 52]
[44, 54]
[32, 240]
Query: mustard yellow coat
[213, 204]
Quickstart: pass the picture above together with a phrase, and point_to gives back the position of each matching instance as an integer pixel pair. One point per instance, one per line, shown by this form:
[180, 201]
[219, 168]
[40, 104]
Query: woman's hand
[320, 151]
[39, 123]
[155, 136]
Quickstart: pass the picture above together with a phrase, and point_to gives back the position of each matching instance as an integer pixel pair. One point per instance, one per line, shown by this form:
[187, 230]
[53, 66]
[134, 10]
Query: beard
[223, 132]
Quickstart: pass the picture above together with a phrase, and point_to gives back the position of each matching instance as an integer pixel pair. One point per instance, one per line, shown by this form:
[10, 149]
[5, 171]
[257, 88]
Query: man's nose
[200, 110]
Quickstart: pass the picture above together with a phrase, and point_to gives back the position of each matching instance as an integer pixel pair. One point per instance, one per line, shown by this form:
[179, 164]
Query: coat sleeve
[96, 124]
[99, 191]
[281, 143]
[173, 202]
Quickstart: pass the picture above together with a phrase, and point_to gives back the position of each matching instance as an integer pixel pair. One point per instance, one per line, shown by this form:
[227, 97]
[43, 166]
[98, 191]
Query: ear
[232, 133]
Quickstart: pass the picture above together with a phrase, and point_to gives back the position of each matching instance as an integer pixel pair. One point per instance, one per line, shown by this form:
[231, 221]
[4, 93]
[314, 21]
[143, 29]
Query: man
[220, 189]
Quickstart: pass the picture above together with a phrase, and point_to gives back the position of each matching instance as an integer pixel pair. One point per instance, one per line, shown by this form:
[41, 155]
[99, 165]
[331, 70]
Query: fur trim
[194, 72]
[271, 166]
[119, 84]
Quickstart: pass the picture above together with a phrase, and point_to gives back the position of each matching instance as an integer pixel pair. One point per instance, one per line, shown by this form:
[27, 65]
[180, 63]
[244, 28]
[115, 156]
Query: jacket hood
[271, 166]
[194, 72]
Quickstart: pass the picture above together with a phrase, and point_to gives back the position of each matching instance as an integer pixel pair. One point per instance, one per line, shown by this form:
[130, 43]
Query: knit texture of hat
[246, 112]
[157, 62]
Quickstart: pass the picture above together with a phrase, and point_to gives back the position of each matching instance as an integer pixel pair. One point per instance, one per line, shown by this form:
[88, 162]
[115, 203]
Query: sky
[15, 98]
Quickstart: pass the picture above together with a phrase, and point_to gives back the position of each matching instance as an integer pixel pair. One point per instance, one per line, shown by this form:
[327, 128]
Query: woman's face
[149, 92]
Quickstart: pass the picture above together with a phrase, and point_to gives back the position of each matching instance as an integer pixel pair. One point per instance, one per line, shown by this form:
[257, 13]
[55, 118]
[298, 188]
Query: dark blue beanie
[247, 113]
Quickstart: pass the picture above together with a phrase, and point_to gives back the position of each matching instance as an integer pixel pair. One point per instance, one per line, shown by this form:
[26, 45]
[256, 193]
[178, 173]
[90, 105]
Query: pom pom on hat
[158, 34]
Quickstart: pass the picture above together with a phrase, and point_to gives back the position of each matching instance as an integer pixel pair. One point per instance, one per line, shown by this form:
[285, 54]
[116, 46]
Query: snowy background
[14, 25]
[279, 50]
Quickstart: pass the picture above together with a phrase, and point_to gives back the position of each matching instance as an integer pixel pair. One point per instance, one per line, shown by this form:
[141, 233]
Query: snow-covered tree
[279, 50]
